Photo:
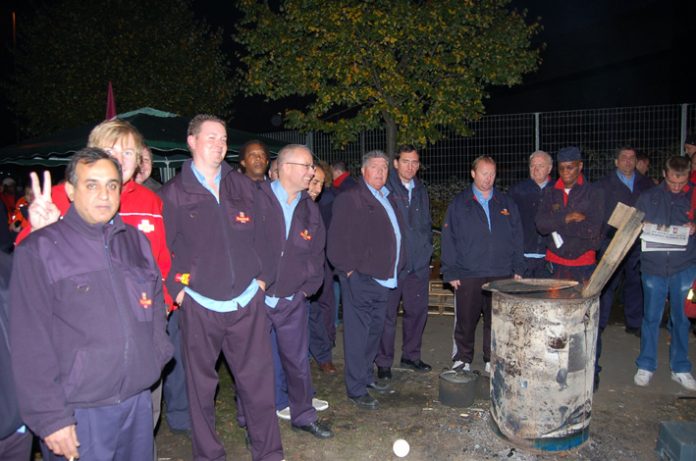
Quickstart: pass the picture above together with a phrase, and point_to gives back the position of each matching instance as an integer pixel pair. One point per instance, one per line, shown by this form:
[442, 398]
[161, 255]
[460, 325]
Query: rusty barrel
[542, 359]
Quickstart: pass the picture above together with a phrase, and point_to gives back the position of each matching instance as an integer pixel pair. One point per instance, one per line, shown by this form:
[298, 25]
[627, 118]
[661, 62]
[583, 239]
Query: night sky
[599, 53]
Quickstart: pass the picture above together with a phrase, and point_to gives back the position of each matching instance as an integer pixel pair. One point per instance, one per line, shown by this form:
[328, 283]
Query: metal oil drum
[542, 364]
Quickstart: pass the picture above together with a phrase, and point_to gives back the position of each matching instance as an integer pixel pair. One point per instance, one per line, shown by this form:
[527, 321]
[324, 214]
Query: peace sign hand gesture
[42, 210]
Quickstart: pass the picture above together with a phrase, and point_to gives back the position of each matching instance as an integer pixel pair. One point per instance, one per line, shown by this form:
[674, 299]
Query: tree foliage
[412, 66]
[155, 54]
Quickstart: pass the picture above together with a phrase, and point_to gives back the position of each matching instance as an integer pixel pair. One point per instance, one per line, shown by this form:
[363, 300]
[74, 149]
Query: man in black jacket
[365, 246]
[412, 200]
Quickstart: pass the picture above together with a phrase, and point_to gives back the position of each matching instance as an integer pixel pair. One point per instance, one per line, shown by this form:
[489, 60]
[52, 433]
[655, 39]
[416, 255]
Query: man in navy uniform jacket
[571, 216]
[527, 195]
[216, 236]
[365, 246]
[87, 323]
[412, 200]
[296, 237]
[481, 242]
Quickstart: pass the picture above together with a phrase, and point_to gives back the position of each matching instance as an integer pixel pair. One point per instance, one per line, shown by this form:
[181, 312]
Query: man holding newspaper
[668, 260]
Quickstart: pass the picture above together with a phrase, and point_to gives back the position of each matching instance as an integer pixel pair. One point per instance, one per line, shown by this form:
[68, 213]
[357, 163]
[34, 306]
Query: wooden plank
[628, 222]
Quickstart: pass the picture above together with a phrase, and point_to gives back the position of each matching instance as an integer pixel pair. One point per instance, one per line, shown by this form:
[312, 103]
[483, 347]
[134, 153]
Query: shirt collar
[479, 195]
[383, 191]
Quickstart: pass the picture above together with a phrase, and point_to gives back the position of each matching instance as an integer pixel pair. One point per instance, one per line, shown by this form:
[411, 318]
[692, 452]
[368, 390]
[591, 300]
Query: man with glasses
[365, 246]
[411, 198]
[295, 237]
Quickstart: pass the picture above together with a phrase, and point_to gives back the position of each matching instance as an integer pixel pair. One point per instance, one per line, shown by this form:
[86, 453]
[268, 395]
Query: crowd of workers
[122, 293]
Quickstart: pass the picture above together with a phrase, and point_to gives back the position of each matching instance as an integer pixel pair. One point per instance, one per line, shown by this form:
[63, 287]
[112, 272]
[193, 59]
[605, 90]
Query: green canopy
[164, 133]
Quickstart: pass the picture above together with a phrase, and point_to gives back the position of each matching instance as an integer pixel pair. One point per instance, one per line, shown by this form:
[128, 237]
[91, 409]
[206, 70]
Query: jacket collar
[93, 231]
[191, 184]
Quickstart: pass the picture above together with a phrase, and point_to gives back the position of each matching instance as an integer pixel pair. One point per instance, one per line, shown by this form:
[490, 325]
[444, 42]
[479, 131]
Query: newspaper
[664, 238]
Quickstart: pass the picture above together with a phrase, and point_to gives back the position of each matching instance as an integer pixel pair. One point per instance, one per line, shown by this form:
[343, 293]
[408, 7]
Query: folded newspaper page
[664, 238]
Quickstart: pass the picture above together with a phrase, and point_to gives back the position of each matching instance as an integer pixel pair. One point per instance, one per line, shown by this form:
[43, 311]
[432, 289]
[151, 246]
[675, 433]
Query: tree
[155, 54]
[412, 66]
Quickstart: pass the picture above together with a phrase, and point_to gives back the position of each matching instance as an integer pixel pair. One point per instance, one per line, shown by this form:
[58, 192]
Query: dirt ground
[624, 425]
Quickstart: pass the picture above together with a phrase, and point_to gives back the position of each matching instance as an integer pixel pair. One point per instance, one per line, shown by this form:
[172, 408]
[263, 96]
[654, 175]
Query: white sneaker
[643, 377]
[284, 413]
[487, 368]
[459, 365]
[686, 380]
[320, 405]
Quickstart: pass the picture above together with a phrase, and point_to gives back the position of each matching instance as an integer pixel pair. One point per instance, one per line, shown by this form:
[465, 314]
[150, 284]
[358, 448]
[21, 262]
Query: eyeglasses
[307, 166]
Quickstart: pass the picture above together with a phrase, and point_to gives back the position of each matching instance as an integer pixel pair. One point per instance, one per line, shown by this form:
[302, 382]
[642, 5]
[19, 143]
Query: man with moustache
[412, 200]
[365, 246]
[217, 237]
[527, 195]
[481, 242]
[87, 323]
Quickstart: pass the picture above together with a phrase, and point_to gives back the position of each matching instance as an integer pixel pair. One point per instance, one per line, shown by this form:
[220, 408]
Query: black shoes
[417, 365]
[381, 388]
[633, 331]
[366, 402]
[384, 373]
[316, 428]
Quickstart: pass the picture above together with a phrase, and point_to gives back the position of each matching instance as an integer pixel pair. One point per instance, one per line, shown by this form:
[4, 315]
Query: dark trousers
[242, 336]
[413, 289]
[16, 447]
[121, 432]
[629, 270]
[535, 268]
[174, 387]
[322, 327]
[470, 302]
[364, 307]
[289, 321]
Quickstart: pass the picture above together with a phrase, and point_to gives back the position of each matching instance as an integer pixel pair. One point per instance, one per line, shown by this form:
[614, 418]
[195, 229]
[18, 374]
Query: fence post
[537, 132]
[309, 140]
[682, 134]
[362, 143]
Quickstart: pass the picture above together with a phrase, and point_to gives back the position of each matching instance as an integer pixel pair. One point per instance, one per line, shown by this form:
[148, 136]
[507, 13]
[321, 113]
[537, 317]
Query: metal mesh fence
[659, 131]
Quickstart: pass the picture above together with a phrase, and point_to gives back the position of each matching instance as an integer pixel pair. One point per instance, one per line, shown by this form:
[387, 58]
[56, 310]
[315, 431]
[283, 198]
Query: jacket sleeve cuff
[49, 429]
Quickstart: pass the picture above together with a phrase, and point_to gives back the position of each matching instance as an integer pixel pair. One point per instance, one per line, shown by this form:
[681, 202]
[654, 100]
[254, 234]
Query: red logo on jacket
[242, 218]
[144, 301]
[305, 235]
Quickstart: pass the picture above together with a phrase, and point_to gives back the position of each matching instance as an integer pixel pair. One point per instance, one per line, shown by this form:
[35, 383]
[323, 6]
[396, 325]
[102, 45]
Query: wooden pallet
[440, 298]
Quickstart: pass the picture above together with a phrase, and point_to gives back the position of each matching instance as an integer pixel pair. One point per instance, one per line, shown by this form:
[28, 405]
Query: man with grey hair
[527, 195]
[365, 247]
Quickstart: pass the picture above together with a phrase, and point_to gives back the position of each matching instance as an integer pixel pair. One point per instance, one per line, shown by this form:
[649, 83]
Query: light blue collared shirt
[216, 305]
[201, 179]
[288, 208]
[484, 202]
[381, 197]
[288, 211]
[628, 182]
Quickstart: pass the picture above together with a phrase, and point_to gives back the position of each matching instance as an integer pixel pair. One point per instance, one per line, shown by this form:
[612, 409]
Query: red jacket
[142, 209]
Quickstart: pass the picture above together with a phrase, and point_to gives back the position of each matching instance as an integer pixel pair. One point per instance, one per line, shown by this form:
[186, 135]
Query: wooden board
[628, 223]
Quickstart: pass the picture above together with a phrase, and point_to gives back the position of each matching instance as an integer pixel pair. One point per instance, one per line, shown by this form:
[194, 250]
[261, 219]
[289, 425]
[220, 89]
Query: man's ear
[70, 190]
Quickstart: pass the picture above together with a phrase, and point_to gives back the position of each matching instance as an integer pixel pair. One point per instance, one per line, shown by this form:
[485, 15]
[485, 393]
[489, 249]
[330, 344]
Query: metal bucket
[542, 359]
